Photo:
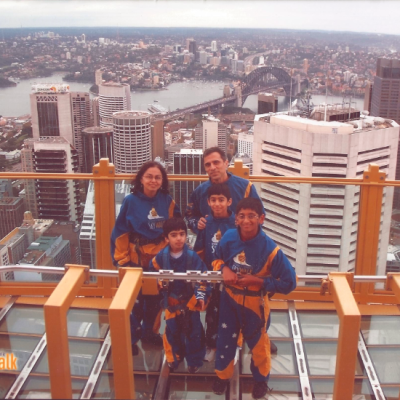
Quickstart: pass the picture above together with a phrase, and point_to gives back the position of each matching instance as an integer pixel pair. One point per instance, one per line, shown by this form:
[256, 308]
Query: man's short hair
[250, 203]
[174, 224]
[219, 189]
[211, 150]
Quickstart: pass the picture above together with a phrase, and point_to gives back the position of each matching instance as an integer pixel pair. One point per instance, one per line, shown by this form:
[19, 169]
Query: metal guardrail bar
[211, 276]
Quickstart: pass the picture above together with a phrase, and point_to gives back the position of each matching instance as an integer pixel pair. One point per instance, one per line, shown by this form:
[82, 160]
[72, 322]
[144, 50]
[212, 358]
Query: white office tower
[213, 133]
[245, 143]
[132, 140]
[214, 45]
[51, 111]
[52, 198]
[113, 97]
[316, 225]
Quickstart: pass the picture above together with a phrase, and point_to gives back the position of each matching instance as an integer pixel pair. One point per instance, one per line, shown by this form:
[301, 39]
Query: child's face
[176, 240]
[248, 221]
[219, 205]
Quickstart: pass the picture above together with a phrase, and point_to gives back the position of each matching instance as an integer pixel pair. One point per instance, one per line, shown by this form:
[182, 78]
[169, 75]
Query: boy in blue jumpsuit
[218, 222]
[184, 333]
[252, 265]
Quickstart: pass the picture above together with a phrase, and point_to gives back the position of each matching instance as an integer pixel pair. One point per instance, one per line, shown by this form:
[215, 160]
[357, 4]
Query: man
[216, 166]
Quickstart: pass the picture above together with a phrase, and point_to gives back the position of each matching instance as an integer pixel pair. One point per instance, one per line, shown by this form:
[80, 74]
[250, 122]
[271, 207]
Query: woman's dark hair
[174, 224]
[137, 185]
[219, 189]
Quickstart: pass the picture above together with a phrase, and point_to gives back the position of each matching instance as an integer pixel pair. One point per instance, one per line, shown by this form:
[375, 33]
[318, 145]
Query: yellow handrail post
[393, 284]
[350, 321]
[104, 193]
[369, 225]
[55, 317]
[239, 169]
[120, 328]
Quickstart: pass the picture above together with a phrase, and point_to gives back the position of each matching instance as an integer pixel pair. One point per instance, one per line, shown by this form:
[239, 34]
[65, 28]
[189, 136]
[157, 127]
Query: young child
[184, 333]
[221, 219]
[252, 265]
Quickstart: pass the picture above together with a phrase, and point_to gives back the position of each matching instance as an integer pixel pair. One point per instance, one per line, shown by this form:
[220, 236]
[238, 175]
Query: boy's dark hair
[219, 189]
[211, 150]
[250, 203]
[174, 224]
[150, 164]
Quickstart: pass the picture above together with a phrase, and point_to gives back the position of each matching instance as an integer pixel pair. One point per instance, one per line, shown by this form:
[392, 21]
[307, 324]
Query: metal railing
[347, 291]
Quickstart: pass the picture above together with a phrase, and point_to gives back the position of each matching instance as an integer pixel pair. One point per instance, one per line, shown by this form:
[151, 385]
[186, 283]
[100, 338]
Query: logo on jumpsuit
[155, 221]
[215, 240]
[239, 264]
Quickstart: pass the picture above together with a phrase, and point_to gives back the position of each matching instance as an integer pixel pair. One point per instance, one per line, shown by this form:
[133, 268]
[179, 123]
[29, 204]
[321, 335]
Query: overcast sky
[357, 16]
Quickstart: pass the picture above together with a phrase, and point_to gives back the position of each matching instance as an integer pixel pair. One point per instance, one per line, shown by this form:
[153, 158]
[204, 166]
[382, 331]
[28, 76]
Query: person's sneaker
[219, 386]
[192, 369]
[210, 355]
[135, 350]
[274, 349]
[260, 389]
[153, 338]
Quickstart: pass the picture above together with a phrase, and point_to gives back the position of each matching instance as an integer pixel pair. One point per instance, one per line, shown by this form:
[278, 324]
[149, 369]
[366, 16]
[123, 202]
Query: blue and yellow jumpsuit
[247, 309]
[135, 239]
[207, 240]
[198, 207]
[184, 333]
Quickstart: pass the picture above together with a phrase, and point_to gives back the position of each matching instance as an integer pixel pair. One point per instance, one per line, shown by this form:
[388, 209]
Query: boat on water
[157, 109]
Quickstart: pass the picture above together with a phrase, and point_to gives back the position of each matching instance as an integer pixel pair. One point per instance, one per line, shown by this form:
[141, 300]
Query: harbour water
[14, 101]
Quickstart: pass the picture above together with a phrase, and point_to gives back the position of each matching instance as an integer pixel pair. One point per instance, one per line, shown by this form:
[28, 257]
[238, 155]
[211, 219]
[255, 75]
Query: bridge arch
[253, 80]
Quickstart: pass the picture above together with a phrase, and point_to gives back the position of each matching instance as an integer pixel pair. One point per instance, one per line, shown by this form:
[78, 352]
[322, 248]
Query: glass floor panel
[20, 346]
[321, 358]
[6, 381]
[319, 325]
[323, 389]
[82, 354]
[36, 387]
[279, 327]
[144, 387]
[282, 389]
[386, 361]
[191, 388]
[149, 358]
[391, 393]
[87, 323]
[381, 329]
[283, 363]
[23, 319]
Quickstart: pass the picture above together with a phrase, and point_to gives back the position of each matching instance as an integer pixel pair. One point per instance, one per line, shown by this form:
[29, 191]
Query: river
[14, 101]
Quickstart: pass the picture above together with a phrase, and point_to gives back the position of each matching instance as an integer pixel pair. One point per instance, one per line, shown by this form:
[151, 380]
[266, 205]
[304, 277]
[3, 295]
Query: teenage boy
[184, 333]
[252, 265]
[218, 222]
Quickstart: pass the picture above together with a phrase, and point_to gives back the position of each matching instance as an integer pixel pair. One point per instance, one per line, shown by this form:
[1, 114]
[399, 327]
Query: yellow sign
[8, 361]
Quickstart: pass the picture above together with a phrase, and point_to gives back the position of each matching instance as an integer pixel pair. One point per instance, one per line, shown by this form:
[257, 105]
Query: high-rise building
[58, 112]
[113, 97]
[48, 198]
[157, 138]
[95, 112]
[267, 103]
[81, 119]
[97, 143]
[385, 101]
[131, 140]
[213, 133]
[214, 46]
[203, 57]
[191, 46]
[187, 162]
[245, 144]
[98, 77]
[51, 111]
[11, 214]
[316, 225]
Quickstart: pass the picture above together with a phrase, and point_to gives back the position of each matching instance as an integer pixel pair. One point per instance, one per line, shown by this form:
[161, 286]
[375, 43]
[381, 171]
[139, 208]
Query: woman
[137, 238]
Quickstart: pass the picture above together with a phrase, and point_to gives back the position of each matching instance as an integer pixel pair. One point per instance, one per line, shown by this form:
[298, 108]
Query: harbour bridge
[259, 80]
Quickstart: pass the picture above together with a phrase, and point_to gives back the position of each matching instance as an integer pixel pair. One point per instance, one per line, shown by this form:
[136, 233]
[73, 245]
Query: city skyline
[355, 16]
